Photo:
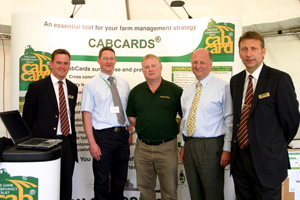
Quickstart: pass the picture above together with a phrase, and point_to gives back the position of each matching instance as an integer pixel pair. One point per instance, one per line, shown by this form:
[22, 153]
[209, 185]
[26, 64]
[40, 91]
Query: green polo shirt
[155, 112]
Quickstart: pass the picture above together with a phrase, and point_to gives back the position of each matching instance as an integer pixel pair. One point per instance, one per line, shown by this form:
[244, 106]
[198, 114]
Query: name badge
[114, 109]
[264, 95]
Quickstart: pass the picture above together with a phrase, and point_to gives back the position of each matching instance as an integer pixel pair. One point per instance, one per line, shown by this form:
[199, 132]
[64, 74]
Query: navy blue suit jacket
[273, 123]
[41, 111]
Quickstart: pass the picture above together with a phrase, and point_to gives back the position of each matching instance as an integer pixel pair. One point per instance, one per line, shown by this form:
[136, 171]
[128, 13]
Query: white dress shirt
[255, 75]
[97, 99]
[56, 89]
[214, 111]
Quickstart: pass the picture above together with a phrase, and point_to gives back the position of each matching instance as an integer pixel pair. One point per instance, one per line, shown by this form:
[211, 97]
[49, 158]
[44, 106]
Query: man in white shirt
[205, 149]
[108, 137]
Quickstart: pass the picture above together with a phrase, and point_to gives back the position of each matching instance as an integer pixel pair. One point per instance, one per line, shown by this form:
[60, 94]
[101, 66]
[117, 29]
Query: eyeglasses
[106, 58]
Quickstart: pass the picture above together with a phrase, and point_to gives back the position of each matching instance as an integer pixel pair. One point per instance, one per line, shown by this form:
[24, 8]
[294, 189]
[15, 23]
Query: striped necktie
[64, 120]
[242, 135]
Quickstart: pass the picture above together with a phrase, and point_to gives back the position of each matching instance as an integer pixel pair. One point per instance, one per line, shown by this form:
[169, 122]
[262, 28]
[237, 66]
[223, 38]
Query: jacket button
[54, 128]
[56, 116]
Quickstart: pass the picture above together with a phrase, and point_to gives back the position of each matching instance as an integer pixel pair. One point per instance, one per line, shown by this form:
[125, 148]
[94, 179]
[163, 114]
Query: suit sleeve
[288, 106]
[30, 108]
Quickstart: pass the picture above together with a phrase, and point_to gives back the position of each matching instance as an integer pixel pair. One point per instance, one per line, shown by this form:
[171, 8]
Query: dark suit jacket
[41, 111]
[273, 123]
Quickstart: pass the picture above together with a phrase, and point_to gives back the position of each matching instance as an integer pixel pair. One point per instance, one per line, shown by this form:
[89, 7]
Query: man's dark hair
[60, 51]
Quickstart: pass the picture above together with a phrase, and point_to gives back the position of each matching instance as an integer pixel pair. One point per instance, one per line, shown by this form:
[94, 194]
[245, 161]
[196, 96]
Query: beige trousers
[157, 160]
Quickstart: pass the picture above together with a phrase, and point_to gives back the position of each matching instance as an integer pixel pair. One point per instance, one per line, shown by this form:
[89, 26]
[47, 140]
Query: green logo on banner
[218, 38]
[181, 177]
[34, 65]
[17, 187]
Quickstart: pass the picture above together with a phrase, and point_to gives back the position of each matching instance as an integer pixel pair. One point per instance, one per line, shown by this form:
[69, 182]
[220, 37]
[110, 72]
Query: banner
[35, 37]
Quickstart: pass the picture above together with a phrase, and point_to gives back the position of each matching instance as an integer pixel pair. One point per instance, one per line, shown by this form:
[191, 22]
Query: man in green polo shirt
[152, 109]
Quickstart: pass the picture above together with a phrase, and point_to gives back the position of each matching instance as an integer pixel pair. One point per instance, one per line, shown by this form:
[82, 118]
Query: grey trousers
[204, 174]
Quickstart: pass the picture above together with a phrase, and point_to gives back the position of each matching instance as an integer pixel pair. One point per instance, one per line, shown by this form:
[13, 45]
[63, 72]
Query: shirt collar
[55, 80]
[161, 86]
[106, 76]
[256, 73]
[204, 81]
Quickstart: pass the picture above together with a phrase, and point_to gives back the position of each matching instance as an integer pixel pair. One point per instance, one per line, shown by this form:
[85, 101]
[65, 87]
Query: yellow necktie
[190, 127]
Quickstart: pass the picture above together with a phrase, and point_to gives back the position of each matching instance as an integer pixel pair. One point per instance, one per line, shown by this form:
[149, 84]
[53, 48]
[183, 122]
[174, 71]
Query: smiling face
[151, 68]
[252, 54]
[60, 66]
[201, 63]
[107, 62]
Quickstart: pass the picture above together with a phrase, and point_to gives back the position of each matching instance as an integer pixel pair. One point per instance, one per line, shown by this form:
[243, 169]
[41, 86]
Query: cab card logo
[17, 187]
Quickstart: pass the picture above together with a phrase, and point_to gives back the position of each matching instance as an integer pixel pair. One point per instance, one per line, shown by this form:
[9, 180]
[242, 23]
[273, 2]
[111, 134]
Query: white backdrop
[171, 40]
[283, 54]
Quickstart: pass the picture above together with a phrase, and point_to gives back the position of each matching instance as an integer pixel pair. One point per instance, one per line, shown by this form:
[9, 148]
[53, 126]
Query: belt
[115, 129]
[62, 136]
[155, 143]
[199, 138]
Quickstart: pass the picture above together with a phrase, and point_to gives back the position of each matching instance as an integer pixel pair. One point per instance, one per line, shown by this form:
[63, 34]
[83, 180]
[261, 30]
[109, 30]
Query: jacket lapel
[240, 90]
[262, 81]
[69, 95]
[50, 91]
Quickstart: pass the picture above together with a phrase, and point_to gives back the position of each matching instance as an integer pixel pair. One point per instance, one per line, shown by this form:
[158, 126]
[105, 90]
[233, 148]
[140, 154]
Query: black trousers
[247, 184]
[67, 169]
[113, 163]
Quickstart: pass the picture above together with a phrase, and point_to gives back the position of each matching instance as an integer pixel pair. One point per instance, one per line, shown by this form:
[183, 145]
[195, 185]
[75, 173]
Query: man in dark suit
[263, 125]
[42, 114]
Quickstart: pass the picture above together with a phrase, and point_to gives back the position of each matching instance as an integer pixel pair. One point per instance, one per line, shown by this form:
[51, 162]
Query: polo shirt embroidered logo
[165, 97]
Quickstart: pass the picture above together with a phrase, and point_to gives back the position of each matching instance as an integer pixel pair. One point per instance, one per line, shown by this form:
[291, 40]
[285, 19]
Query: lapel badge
[70, 96]
[264, 95]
